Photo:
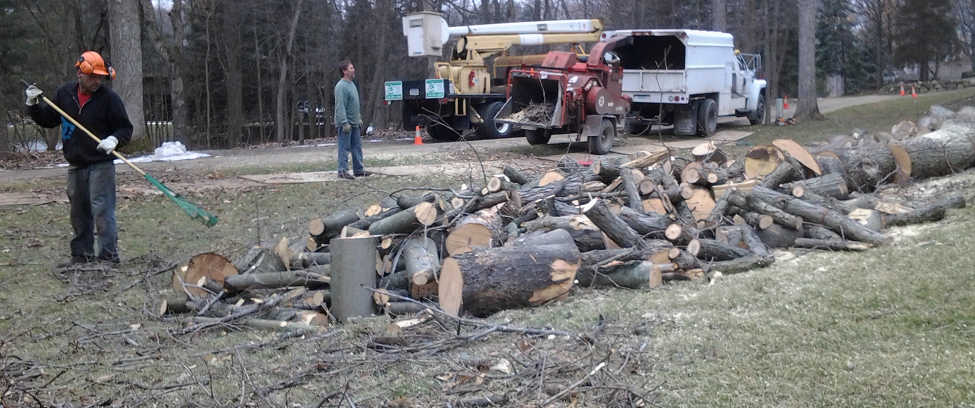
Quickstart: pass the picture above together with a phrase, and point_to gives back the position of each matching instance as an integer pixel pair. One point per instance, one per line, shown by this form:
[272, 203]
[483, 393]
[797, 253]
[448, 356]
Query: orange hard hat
[92, 63]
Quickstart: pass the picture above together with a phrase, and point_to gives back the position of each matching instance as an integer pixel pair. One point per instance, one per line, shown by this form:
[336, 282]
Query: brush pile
[525, 240]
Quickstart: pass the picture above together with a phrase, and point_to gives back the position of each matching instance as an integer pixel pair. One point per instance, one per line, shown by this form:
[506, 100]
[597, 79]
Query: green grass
[893, 326]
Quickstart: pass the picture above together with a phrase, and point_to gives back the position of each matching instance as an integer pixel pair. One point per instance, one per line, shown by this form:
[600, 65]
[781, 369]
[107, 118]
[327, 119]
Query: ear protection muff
[88, 67]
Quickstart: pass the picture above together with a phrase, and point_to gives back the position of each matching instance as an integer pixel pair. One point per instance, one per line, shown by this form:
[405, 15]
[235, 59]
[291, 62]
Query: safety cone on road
[902, 90]
[416, 139]
[913, 93]
[785, 104]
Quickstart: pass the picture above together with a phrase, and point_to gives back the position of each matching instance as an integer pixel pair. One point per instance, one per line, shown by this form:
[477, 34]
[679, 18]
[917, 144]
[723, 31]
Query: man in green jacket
[349, 122]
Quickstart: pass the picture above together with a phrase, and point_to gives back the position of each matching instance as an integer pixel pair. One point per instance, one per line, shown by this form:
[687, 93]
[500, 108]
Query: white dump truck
[687, 78]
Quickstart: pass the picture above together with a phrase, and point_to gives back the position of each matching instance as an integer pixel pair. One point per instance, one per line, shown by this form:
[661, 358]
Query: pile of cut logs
[632, 222]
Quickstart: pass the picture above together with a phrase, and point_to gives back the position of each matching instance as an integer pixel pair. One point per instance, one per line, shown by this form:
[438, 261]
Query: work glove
[33, 94]
[346, 128]
[108, 144]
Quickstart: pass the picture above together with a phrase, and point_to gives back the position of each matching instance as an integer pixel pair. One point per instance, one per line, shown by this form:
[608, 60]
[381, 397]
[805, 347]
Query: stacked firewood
[524, 240]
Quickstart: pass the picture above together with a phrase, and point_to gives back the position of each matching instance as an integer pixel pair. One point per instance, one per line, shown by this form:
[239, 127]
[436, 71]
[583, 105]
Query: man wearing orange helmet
[91, 171]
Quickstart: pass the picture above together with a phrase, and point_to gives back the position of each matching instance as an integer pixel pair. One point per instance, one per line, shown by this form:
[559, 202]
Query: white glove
[33, 94]
[108, 144]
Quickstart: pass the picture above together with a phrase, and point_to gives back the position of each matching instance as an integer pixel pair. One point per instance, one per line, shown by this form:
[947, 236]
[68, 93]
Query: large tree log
[833, 220]
[485, 281]
[536, 193]
[630, 275]
[777, 236]
[364, 223]
[406, 201]
[944, 151]
[867, 166]
[783, 173]
[611, 225]
[753, 241]
[516, 175]
[406, 221]
[742, 200]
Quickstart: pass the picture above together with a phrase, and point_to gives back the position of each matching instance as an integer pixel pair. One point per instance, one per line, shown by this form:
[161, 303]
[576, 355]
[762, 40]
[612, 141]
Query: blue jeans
[91, 191]
[350, 142]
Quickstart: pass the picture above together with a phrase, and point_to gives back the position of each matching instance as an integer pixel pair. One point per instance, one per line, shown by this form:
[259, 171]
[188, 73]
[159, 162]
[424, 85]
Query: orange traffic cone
[902, 90]
[785, 104]
[416, 139]
[913, 93]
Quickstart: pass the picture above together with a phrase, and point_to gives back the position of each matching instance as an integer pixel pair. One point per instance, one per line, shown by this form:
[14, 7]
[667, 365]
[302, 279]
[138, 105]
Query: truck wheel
[758, 116]
[490, 129]
[707, 118]
[442, 133]
[538, 136]
[603, 143]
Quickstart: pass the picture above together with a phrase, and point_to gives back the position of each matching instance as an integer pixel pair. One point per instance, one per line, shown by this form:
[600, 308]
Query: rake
[193, 211]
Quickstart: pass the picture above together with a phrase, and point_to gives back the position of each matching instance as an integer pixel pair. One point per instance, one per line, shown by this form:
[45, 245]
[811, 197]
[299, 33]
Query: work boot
[75, 260]
[110, 260]
[364, 173]
[346, 175]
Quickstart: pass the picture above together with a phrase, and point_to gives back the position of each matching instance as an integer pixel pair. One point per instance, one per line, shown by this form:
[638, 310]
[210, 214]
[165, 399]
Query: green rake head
[193, 211]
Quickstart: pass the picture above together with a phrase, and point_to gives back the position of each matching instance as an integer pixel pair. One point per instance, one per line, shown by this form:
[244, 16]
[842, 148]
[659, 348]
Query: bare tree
[170, 47]
[965, 10]
[126, 36]
[808, 107]
[719, 15]
[280, 104]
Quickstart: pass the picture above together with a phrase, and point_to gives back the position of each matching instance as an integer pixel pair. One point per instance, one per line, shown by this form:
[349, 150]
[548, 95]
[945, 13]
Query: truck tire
[490, 129]
[758, 116]
[707, 118]
[603, 143]
[538, 136]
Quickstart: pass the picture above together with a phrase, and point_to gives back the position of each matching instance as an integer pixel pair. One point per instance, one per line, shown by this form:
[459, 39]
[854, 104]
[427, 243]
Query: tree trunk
[126, 35]
[280, 115]
[808, 107]
[835, 221]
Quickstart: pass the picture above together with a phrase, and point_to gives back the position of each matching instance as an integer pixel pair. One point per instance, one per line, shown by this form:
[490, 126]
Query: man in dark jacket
[91, 171]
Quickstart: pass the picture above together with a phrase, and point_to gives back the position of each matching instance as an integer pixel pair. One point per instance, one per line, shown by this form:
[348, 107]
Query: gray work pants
[91, 191]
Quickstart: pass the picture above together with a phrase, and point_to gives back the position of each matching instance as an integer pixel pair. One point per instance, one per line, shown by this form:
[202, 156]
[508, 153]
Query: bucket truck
[462, 95]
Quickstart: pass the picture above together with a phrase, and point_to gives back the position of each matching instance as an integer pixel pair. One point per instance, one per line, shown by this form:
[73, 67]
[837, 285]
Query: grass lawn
[889, 327]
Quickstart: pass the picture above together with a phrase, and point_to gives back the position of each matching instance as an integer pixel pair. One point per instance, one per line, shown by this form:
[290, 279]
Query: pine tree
[926, 33]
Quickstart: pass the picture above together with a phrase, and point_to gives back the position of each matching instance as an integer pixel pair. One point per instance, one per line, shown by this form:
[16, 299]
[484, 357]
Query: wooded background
[229, 73]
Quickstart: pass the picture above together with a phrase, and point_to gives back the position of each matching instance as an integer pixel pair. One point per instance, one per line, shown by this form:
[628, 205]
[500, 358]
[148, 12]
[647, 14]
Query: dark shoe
[110, 260]
[346, 175]
[75, 260]
[364, 173]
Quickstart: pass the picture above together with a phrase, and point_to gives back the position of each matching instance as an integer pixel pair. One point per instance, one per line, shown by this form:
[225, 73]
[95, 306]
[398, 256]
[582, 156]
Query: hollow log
[353, 275]
[761, 160]
[833, 220]
[485, 281]
[610, 224]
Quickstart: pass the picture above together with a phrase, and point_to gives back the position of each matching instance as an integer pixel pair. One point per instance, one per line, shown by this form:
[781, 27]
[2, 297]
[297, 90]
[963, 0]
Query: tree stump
[353, 275]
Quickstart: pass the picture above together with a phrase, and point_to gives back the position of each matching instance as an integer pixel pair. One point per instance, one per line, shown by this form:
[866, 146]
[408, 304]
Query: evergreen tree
[926, 33]
[839, 51]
